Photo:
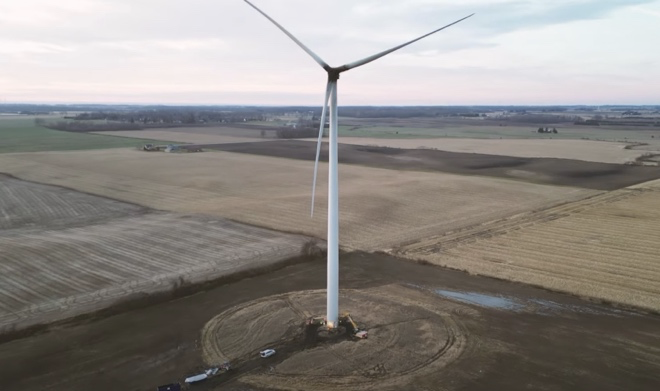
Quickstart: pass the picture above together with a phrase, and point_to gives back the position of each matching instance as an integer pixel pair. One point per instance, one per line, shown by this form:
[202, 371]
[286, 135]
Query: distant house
[172, 148]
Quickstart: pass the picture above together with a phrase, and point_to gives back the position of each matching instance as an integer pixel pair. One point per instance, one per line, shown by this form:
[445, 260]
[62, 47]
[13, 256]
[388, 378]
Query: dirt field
[560, 172]
[592, 151]
[512, 337]
[182, 136]
[66, 253]
[410, 337]
[379, 208]
[604, 247]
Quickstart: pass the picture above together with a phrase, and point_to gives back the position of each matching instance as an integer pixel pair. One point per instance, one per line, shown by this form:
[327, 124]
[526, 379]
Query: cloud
[647, 11]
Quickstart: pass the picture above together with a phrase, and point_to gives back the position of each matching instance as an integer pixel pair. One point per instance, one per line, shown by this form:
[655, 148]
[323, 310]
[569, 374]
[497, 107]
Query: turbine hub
[333, 74]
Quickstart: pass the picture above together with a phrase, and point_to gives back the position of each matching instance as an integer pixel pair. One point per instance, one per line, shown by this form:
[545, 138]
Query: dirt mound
[406, 338]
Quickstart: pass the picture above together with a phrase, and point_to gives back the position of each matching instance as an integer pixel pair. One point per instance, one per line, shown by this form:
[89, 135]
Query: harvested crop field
[592, 151]
[190, 134]
[604, 247]
[563, 172]
[379, 208]
[66, 253]
[33, 205]
[510, 337]
[182, 136]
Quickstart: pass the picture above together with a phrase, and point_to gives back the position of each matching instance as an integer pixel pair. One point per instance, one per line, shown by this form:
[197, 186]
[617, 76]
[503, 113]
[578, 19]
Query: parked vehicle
[267, 353]
[196, 378]
[208, 373]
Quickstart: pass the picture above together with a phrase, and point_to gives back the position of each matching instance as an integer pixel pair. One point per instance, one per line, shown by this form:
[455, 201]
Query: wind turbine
[332, 311]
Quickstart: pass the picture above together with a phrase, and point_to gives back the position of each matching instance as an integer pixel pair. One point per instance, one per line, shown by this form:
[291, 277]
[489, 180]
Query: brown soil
[408, 338]
[539, 340]
[564, 172]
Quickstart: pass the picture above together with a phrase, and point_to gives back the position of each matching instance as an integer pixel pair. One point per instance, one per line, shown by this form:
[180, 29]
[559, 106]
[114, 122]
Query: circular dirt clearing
[406, 338]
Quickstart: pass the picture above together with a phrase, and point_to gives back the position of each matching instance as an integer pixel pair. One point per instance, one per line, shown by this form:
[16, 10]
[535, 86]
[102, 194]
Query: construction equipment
[346, 318]
[316, 320]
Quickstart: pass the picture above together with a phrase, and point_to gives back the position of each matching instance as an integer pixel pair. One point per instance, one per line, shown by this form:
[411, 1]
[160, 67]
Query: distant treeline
[85, 126]
[172, 116]
[191, 116]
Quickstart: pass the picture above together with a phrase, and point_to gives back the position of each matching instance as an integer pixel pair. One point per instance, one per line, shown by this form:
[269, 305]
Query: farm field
[379, 208]
[82, 230]
[189, 136]
[593, 151]
[385, 130]
[229, 130]
[604, 247]
[561, 172]
[515, 337]
[66, 253]
[587, 150]
[22, 135]
[30, 205]
[488, 129]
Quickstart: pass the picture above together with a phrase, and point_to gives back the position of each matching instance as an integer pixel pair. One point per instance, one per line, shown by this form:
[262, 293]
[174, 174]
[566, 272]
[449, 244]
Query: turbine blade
[316, 58]
[386, 52]
[328, 91]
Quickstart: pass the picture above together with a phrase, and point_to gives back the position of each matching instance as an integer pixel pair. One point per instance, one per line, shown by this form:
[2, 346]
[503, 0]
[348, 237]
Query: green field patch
[22, 135]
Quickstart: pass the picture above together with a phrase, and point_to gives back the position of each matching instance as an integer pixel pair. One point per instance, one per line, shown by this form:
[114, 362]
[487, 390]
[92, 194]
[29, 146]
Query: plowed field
[591, 151]
[547, 171]
[65, 253]
[182, 136]
[32, 205]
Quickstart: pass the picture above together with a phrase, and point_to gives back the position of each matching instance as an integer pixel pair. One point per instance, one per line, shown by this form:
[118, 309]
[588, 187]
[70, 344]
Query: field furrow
[65, 253]
[604, 247]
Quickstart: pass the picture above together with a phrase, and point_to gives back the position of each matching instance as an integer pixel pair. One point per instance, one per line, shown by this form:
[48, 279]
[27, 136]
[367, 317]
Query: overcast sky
[224, 52]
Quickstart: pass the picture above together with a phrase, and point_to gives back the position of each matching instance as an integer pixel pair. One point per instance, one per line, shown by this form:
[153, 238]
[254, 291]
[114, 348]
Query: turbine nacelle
[333, 73]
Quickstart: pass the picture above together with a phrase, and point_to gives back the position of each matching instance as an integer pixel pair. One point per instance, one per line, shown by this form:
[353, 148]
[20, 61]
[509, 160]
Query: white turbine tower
[332, 314]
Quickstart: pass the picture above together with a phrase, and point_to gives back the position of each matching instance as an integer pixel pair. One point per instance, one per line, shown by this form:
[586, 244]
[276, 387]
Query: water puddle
[482, 300]
[532, 305]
